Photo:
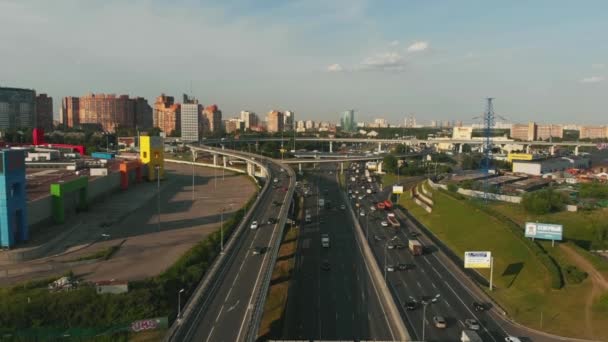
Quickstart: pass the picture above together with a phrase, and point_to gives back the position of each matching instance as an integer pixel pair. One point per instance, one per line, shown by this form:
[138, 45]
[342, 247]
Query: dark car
[399, 246]
[411, 305]
[405, 267]
[414, 234]
[325, 266]
[258, 250]
[479, 306]
[272, 220]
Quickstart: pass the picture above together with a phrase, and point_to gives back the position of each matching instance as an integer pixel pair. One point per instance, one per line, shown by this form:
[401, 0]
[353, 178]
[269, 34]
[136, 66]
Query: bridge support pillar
[215, 160]
[341, 168]
[460, 149]
[528, 149]
[552, 150]
[379, 147]
[331, 147]
[224, 159]
[223, 147]
[576, 150]
[300, 167]
[257, 145]
[250, 169]
[380, 167]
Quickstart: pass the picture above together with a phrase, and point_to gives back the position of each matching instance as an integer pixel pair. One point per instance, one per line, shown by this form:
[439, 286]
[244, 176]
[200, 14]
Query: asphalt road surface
[427, 278]
[222, 315]
[340, 303]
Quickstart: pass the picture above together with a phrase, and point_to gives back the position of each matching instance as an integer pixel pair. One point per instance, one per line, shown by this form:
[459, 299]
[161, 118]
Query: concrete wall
[39, 211]
[103, 186]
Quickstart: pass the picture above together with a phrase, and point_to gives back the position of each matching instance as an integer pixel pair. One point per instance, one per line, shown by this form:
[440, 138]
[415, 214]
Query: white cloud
[598, 66]
[394, 43]
[335, 68]
[389, 61]
[418, 46]
[592, 79]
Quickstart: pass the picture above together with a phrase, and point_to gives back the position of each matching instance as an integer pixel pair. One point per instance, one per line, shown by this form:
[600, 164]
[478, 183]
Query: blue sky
[542, 60]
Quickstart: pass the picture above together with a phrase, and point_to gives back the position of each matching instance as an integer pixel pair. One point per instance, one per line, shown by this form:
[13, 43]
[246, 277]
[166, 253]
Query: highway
[340, 303]
[224, 312]
[429, 277]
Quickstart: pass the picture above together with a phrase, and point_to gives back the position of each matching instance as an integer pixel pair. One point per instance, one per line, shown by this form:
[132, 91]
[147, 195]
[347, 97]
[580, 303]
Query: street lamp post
[222, 228]
[157, 168]
[424, 304]
[179, 304]
[193, 160]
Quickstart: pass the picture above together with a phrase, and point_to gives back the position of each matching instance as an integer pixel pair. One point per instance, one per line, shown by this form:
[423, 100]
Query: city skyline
[548, 62]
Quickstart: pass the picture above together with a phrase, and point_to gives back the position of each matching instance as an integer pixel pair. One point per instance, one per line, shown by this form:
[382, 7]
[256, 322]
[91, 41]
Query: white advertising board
[398, 189]
[477, 259]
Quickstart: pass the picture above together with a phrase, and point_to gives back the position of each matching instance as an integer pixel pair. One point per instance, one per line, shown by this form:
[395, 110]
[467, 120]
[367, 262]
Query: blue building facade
[13, 199]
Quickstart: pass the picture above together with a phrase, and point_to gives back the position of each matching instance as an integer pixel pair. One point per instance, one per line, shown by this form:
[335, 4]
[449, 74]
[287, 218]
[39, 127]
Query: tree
[389, 163]
[543, 201]
[400, 149]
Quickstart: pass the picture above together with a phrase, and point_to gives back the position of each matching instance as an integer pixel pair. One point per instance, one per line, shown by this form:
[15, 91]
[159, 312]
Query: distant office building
[190, 119]
[410, 122]
[462, 133]
[108, 111]
[434, 124]
[379, 123]
[250, 119]
[288, 120]
[212, 119]
[17, 108]
[234, 125]
[540, 167]
[525, 132]
[275, 121]
[593, 132]
[167, 114]
[70, 109]
[310, 125]
[300, 126]
[44, 112]
[347, 121]
[549, 131]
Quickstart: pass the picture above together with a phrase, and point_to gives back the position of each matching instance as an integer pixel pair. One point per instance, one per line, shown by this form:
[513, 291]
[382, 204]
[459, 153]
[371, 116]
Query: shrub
[543, 201]
[452, 187]
[574, 275]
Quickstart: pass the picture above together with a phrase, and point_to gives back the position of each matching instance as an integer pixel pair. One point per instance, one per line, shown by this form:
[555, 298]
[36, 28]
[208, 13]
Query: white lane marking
[434, 285]
[210, 333]
[418, 283]
[219, 314]
[234, 306]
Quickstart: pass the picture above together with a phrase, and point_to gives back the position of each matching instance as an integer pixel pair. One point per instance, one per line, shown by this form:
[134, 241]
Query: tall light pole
[157, 168]
[193, 160]
[222, 228]
[385, 256]
[179, 304]
[424, 304]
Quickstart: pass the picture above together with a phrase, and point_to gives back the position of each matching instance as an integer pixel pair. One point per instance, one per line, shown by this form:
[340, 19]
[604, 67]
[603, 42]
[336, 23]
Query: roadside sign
[544, 231]
[397, 189]
[478, 259]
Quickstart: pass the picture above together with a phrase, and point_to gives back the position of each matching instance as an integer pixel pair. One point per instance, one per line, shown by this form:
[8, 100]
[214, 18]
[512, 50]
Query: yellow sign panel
[397, 189]
[520, 156]
[478, 259]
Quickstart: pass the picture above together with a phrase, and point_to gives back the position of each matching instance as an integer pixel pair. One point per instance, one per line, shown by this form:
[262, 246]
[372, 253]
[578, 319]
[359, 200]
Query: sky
[436, 60]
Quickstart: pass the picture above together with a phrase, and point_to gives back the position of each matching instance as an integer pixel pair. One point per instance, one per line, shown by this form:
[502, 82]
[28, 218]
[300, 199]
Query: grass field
[522, 282]
[578, 227]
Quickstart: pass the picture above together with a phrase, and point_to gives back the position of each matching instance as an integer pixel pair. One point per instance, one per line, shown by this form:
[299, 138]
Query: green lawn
[526, 294]
[578, 227]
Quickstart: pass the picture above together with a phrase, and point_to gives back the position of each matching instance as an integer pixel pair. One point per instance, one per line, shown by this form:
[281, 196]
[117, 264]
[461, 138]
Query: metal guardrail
[211, 276]
[258, 311]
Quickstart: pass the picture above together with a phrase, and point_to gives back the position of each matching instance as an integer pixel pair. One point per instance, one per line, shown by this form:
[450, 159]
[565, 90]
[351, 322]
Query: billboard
[398, 189]
[478, 259]
[544, 231]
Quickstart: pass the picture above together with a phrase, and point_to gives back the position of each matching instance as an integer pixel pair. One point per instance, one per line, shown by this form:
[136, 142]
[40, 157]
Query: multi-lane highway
[225, 310]
[338, 302]
[428, 277]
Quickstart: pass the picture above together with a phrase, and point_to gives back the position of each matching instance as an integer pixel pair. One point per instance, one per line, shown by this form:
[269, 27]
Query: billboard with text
[477, 259]
[544, 231]
[398, 189]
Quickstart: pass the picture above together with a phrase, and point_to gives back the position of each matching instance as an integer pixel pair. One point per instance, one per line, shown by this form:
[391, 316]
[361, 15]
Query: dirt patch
[600, 284]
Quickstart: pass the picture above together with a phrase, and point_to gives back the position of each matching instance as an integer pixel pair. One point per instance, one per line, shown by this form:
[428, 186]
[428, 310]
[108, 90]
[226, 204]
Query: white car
[342, 207]
[254, 225]
[384, 224]
[372, 208]
[390, 268]
[362, 213]
[471, 323]
[512, 339]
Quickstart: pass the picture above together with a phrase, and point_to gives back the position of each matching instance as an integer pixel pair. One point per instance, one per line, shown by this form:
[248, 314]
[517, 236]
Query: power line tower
[489, 120]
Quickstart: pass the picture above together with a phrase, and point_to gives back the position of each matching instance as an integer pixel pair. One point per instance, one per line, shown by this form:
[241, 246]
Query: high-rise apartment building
[108, 111]
[17, 108]
[212, 119]
[300, 126]
[525, 132]
[288, 120]
[234, 125]
[549, 131]
[593, 132]
[70, 111]
[166, 114]
[250, 119]
[44, 112]
[275, 121]
[310, 125]
[190, 119]
[347, 121]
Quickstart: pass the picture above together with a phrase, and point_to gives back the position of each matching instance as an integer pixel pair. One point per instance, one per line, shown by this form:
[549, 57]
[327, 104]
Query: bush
[543, 201]
[452, 187]
[593, 190]
[573, 275]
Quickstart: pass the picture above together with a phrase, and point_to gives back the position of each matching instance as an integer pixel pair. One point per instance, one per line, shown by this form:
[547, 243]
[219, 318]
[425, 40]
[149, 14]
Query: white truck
[321, 202]
[325, 240]
[470, 336]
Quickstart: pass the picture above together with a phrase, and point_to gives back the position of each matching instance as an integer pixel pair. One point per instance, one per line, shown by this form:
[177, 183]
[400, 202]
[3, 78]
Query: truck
[470, 336]
[321, 202]
[415, 247]
[325, 240]
[392, 220]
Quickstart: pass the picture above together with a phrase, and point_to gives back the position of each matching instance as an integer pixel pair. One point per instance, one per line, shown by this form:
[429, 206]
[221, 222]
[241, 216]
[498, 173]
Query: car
[272, 220]
[276, 180]
[362, 213]
[411, 305]
[440, 322]
[479, 306]
[360, 198]
[390, 268]
[377, 238]
[372, 208]
[390, 246]
[254, 225]
[258, 250]
[384, 224]
[353, 196]
[414, 234]
[399, 246]
[471, 323]
[357, 192]
[343, 207]
[512, 339]
[405, 267]
[325, 265]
